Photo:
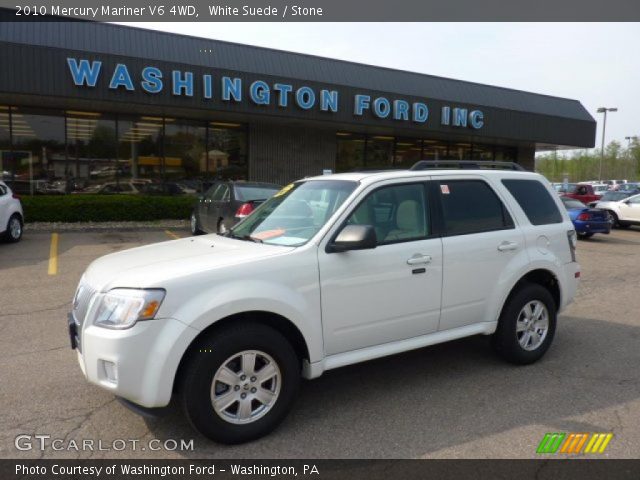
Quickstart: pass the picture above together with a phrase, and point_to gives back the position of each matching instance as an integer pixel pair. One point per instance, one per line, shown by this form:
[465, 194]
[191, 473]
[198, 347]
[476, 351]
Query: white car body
[627, 210]
[9, 206]
[348, 307]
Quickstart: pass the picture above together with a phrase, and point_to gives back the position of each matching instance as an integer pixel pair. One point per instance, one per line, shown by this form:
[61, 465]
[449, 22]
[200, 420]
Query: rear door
[479, 242]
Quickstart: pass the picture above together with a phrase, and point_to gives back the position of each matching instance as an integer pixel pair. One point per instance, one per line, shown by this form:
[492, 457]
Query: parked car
[584, 192]
[625, 211]
[113, 188]
[330, 271]
[587, 221]
[563, 188]
[226, 203]
[11, 214]
[614, 196]
[165, 188]
[629, 187]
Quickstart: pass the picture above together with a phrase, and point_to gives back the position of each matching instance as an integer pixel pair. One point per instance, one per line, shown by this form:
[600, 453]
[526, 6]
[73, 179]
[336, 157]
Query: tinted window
[221, 193]
[570, 203]
[398, 213]
[471, 206]
[535, 200]
[248, 194]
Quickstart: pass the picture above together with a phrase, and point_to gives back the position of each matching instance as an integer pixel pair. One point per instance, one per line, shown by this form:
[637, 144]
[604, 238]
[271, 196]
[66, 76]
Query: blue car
[587, 221]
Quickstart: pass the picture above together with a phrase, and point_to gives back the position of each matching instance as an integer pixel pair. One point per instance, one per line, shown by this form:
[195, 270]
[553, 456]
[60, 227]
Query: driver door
[391, 292]
[630, 209]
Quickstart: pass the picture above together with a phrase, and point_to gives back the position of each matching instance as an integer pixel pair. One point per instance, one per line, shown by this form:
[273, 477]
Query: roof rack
[466, 164]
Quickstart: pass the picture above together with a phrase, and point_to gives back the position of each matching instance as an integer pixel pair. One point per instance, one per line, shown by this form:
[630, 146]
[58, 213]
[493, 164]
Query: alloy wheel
[532, 325]
[246, 387]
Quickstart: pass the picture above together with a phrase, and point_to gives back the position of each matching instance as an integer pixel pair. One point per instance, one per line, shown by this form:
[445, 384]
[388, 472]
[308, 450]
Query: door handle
[419, 259]
[506, 246]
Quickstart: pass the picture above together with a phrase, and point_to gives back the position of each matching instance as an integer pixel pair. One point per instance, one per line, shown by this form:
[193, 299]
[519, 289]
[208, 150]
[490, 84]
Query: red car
[583, 192]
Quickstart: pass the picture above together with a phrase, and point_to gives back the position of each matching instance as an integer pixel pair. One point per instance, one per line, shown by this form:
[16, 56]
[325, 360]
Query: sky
[595, 63]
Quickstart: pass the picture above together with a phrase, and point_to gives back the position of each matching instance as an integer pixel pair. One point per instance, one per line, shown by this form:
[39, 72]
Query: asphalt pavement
[455, 400]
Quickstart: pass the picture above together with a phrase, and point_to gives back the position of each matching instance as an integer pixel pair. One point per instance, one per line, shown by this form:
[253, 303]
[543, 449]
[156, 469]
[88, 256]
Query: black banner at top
[328, 10]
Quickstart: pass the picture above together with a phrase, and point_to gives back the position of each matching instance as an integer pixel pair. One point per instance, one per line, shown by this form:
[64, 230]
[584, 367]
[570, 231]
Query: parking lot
[455, 400]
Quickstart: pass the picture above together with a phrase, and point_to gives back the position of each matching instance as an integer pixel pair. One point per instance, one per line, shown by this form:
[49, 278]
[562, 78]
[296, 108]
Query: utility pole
[604, 127]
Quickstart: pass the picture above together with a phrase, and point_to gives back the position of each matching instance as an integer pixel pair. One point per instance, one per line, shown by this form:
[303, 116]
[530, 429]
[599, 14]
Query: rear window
[535, 200]
[471, 206]
[249, 194]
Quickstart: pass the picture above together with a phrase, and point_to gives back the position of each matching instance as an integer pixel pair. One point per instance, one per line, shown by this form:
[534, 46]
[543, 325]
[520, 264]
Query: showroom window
[38, 142]
[351, 148]
[226, 157]
[407, 152]
[185, 156]
[5, 144]
[379, 152]
[140, 149]
[91, 153]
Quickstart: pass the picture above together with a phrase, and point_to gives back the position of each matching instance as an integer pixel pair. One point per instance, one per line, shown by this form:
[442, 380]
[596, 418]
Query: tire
[224, 348]
[584, 236]
[194, 224]
[15, 228]
[508, 341]
[615, 223]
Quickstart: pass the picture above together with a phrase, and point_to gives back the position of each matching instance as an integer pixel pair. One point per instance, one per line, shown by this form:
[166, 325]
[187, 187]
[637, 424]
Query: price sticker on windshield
[444, 189]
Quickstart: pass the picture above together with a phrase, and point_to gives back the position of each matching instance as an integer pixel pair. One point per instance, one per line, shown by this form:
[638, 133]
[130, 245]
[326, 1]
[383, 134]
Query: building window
[185, 153]
[482, 152]
[407, 152]
[140, 156]
[91, 152]
[379, 152]
[505, 154]
[38, 141]
[6, 168]
[434, 150]
[226, 155]
[350, 152]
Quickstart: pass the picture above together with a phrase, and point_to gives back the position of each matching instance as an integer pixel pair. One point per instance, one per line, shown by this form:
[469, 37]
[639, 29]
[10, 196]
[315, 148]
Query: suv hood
[151, 265]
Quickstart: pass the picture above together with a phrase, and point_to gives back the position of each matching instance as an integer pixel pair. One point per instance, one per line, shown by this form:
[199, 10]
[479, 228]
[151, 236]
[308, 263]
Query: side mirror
[354, 237]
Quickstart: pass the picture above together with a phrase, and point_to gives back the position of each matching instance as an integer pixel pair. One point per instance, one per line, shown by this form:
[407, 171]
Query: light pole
[604, 127]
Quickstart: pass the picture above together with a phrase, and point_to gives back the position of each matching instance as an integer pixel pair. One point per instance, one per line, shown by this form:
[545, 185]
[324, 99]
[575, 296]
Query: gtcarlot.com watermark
[42, 442]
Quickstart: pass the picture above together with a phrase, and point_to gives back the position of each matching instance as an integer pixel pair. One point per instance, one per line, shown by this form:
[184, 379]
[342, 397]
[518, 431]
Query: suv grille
[83, 296]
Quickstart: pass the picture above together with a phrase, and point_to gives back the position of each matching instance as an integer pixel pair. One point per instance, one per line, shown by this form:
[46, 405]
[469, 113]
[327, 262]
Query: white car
[11, 215]
[624, 209]
[331, 271]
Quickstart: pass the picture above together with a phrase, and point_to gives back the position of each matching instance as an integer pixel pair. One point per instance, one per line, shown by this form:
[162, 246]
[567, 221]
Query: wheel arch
[281, 324]
[540, 276]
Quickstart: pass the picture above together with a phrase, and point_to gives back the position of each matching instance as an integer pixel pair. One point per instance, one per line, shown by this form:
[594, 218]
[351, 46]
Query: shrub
[105, 208]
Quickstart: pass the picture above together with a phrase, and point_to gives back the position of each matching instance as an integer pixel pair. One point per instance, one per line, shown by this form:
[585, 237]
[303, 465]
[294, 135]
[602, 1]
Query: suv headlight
[121, 308]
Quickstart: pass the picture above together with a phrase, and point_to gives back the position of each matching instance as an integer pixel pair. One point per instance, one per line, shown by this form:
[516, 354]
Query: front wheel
[240, 383]
[14, 228]
[526, 326]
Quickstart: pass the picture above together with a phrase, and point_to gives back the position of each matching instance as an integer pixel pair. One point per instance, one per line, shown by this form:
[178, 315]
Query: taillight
[244, 210]
[584, 216]
[573, 243]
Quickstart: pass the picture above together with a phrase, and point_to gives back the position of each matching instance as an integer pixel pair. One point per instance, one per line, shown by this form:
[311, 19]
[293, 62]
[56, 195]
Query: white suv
[11, 215]
[331, 271]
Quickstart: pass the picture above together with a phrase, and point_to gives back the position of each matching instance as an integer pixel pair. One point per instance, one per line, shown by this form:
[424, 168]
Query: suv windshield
[295, 213]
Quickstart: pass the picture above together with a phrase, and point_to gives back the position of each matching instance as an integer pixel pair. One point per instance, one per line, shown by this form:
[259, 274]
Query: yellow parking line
[53, 255]
[172, 235]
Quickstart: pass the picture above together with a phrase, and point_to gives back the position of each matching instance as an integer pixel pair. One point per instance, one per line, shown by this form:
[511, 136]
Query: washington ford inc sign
[86, 73]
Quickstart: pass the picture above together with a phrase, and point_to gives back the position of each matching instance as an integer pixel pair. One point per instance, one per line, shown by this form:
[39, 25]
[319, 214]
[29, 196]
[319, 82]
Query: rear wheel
[14, 228]
[526, 326]
[240, 383]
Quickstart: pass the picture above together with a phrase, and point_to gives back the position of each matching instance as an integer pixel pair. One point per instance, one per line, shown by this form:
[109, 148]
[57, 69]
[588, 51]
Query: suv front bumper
[138, 364]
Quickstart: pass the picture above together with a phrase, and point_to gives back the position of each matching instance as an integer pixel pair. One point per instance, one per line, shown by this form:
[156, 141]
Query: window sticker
[284, 190]
[444, 189]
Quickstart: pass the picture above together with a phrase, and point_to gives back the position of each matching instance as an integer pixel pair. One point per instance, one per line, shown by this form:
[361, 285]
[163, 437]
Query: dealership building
[104, 103]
